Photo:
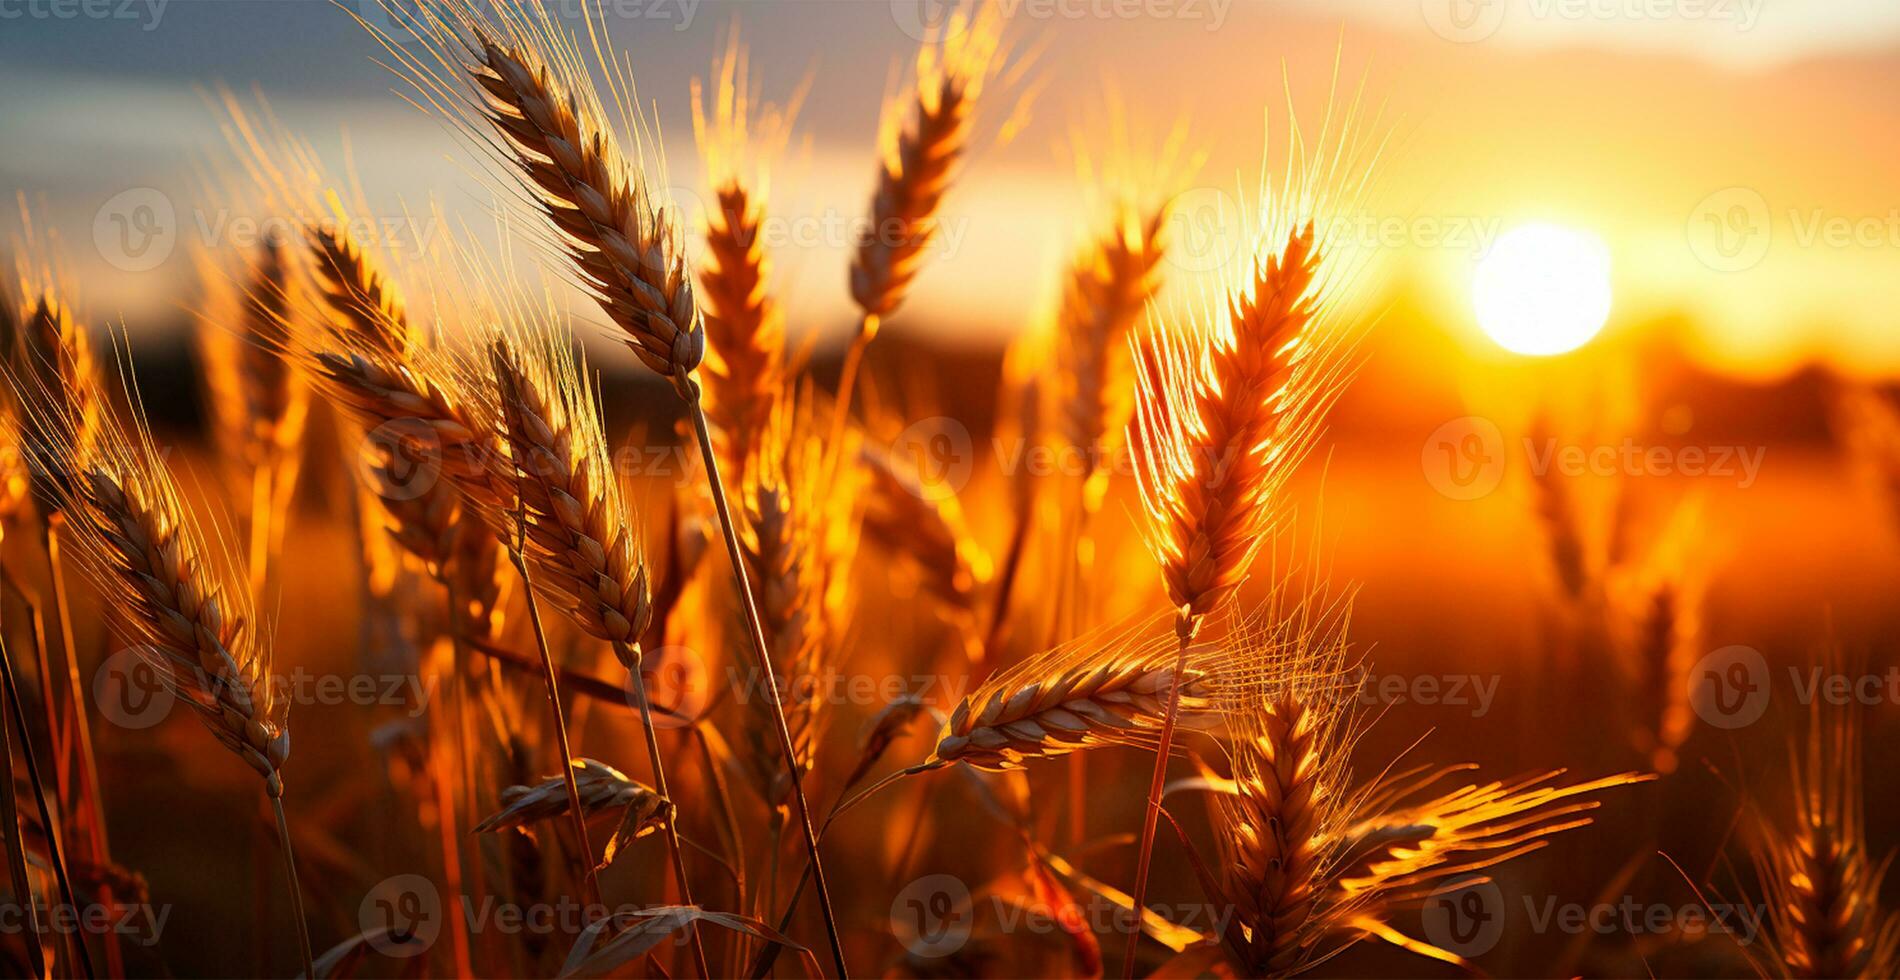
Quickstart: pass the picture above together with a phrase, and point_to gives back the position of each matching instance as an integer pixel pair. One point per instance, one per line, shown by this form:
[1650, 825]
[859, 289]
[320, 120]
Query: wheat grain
[576, 529]
[54, 363]
[1107, 288]
[920, 160]
[923, 523]
[1313, 865]
[745, 329]
[365, 301]
[1108, 689]
[603, 789]
[1819, 879]
[1219, 424]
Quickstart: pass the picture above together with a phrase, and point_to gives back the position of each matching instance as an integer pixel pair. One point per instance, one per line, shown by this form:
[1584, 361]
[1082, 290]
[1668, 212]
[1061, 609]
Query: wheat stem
[10, 812]
[847, 381]
[92, 802]
[764, 663]
[296, 889]
[54, 851]
[631, 656]
[1152, 815]
[560, 721]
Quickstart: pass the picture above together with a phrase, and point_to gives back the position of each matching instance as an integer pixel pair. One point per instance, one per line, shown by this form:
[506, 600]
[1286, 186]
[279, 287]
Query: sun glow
[1543, 289]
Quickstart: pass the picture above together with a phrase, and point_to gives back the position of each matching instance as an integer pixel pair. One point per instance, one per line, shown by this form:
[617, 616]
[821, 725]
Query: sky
[1734, 155]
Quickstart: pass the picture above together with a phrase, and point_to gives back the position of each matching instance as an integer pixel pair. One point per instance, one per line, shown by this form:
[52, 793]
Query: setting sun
[1543, 289]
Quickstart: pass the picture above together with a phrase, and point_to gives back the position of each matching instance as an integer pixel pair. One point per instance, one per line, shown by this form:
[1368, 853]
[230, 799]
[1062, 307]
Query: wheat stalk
[1107, 288]
[1557, 513]
[925, 525]
[1312, 864]
[577, 528]
[917, 163]
[55, 356]
[534, 91]
[1099, 691]
[574, 527]
[55, 382]
[745, 328]
[797, 536]
[259, 405]
[184, 605]
[1219, 425]
[365, 302]
[1818, 876]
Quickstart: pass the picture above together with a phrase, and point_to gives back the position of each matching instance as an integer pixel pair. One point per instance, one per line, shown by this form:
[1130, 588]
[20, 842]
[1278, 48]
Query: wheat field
[628, 628]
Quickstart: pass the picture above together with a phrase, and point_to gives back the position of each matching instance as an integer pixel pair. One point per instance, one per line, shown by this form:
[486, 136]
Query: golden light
[1543, 289]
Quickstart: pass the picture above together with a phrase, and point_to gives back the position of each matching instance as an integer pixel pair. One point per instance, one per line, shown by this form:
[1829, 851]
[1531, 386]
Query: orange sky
[1741, 180]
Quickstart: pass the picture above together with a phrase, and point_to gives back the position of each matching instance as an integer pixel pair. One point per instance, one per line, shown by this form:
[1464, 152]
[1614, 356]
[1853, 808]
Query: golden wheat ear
[184, 600]
[1814, 867]
[739, 136]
